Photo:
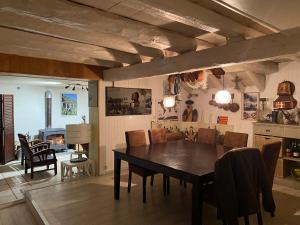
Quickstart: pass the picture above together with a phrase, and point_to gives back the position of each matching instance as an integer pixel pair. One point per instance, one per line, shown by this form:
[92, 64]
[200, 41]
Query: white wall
[112, 129]
[29, 106]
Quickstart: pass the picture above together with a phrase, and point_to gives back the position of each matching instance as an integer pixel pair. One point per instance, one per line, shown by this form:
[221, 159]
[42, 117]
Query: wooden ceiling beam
[13, 64]
[249, 51]
[74, 21]
[191, 14]
[53, 55]
[13, 14]
[35, 45]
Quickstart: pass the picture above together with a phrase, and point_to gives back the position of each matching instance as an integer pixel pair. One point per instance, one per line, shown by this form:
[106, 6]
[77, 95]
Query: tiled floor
[13, 180]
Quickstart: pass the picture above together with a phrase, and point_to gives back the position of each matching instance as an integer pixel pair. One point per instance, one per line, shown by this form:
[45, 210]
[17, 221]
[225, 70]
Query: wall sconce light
[169, 101]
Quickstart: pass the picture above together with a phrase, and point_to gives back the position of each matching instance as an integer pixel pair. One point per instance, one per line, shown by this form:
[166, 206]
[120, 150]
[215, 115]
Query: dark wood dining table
[185, 160]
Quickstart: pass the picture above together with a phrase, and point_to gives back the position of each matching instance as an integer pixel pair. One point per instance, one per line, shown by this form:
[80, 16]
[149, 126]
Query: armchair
[36, 143]
[37, 155]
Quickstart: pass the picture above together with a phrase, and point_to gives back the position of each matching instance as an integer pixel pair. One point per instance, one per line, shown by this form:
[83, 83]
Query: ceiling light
[169, 101]
[223, 96]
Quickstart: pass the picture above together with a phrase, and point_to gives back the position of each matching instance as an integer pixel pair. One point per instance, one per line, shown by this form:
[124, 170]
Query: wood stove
[55, 136]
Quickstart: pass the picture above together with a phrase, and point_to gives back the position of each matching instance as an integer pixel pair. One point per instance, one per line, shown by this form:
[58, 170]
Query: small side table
[83, 168]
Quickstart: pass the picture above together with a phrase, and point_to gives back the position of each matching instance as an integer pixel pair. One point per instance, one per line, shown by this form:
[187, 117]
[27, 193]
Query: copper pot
[234, 107]
[286, 88]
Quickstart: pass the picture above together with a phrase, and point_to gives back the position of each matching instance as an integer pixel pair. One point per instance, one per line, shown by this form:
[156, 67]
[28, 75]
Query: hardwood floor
[17, 215]
[90, 201]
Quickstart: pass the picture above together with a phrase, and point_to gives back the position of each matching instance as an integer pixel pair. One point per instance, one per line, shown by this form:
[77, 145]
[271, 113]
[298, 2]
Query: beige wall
[112, 128]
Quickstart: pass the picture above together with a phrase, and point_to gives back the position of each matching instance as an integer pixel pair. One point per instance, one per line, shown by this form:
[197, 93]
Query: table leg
[197, 203]
[117, 172]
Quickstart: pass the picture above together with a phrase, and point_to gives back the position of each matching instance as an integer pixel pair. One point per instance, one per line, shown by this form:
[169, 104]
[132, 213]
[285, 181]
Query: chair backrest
[240, 176]
[207, 136]
[157, 136]
[135, 138]
[174, 136]
[270, 153]
[235, 140]
[25, 146]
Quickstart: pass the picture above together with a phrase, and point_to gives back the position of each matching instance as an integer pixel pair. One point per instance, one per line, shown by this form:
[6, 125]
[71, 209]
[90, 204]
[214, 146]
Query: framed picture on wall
[128, 101]
[250, 104]
[69, 104]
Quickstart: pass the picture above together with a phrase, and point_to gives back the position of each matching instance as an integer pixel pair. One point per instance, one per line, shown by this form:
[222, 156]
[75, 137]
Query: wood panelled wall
[13, 64]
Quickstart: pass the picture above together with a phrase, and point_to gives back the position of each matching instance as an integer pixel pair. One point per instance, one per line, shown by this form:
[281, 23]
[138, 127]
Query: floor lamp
[78, 134]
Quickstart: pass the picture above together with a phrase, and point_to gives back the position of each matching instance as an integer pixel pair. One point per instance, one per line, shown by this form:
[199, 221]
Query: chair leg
[31, 172]
[26, 168]
[168, 185]
[180, 182]
[246, 220]
[129, 181]
[165, 184]
[55, 168]
[22, 158]
[184, 184]
[144, 188]
[152, 180]
[259, 219]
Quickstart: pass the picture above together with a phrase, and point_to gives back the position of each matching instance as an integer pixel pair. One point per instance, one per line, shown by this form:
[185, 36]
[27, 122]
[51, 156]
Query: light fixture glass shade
[222, 97]
[169, 101]
[78, 133]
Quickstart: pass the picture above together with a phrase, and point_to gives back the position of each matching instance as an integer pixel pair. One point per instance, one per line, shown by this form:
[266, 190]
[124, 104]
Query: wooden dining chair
[207, 136]
[137, 138]
[234, 140]
[174, 136]
[157, 136]
[270, 153]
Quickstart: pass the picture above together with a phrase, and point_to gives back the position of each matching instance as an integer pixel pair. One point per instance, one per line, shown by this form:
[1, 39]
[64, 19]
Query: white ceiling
[278, 13]
[23, 80]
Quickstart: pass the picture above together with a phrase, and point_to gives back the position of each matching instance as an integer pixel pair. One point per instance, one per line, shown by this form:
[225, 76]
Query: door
[7, 128]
